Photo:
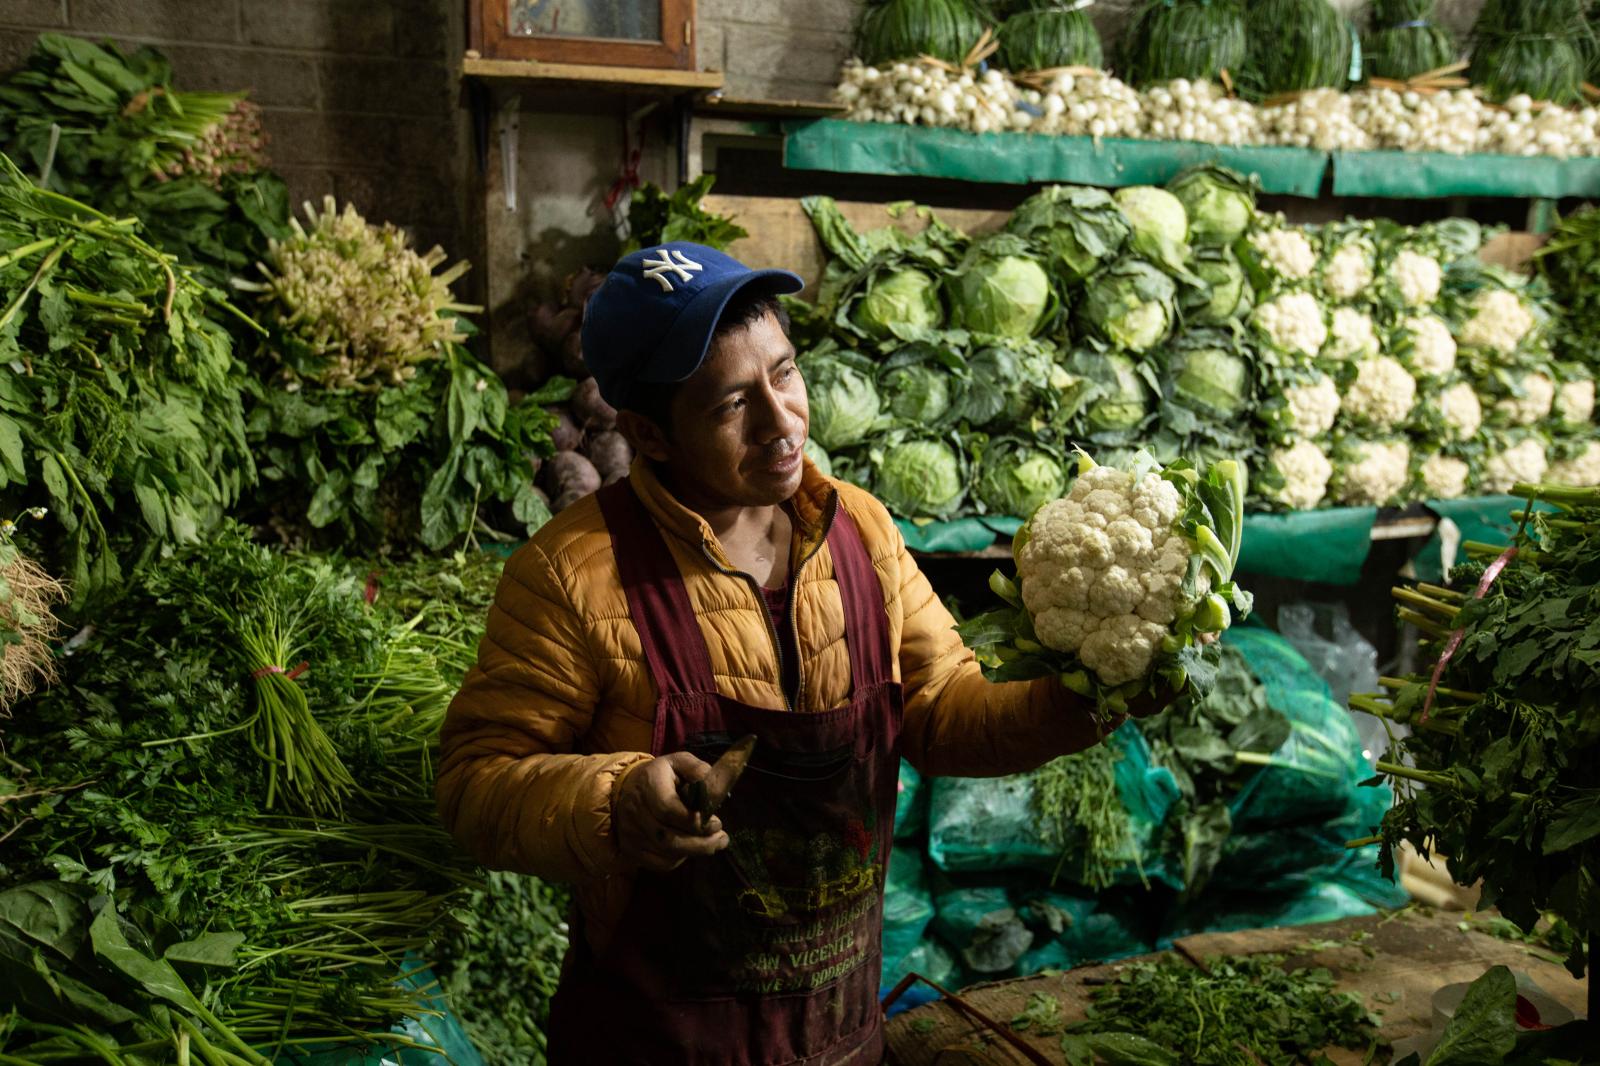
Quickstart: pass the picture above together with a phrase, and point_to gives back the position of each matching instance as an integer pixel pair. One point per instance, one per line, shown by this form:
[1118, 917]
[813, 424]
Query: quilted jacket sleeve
[956, 722]
[511, 788]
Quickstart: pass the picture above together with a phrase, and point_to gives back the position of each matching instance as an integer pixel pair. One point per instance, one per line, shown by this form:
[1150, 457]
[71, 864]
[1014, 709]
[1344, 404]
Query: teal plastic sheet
[989, 824]
[1021, 158]
[960, 535]
[1328, 546]
[1288, 859]
[1430, 175]
[442, 1040]
[1483, 518]
[907, 909]
[911, 803]
[1078, 930]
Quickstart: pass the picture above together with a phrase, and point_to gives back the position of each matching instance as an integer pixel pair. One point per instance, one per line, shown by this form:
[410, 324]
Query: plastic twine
[289, 672]
[1414, 24]
[1490, 574]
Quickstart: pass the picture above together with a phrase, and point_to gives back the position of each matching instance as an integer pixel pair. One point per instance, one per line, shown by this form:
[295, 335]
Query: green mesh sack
[907, 908]
[992, 824]
[979, 923]
[911, 803]
[1315, 773]
[1292, 857]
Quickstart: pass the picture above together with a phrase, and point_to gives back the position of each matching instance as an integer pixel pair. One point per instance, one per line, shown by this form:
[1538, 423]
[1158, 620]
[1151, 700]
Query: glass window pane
[630, 20]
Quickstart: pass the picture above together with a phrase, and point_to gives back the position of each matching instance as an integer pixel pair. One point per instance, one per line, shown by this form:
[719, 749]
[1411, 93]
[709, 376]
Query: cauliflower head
[1499, 321]
[1382, 393]
[1580, 471]
[1371, 472]
[1351, 337]
[1313, 407]
[1348, 272]
[1431, 352]
[1286, 252]
[1302, 472]
[1444, 477]
[1575, 401]
[1537, 398]
[1416, 278]
[1462, 411]
[1293, 323]
[1103, 570]
[1523, 461]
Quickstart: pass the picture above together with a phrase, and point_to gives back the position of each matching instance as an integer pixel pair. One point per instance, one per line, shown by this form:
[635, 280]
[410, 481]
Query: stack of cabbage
[1351, 364]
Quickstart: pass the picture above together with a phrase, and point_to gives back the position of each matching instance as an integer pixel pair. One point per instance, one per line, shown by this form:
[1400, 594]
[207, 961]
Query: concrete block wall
[359, 97]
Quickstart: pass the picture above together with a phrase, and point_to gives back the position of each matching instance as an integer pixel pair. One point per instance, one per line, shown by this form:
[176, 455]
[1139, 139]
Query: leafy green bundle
[654, 216]
[109, 129]
[1233, 1011]
[905, 29]
[1193, 39]
[1309, 48]
[148, 876]
[1044, 34]
[1507, 739]
[1570, 263]
[119, 390]
[1530, 47]
[1403, 41]
[1078, 810]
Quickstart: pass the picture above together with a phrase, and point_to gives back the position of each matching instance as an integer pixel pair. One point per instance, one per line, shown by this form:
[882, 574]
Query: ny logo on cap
[684, 267]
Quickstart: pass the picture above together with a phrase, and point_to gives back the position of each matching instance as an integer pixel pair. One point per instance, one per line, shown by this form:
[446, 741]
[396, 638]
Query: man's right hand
[654, 830]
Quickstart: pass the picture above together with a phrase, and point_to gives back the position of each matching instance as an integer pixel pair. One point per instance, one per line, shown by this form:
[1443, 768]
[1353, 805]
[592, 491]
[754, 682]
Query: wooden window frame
[489, 36]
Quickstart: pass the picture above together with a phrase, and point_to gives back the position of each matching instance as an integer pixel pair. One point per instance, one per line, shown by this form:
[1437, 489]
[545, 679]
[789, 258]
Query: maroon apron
[767, 953]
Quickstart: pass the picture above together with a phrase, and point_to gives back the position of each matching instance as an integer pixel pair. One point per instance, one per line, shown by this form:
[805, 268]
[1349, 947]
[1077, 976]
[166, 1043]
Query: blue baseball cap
[651, 320]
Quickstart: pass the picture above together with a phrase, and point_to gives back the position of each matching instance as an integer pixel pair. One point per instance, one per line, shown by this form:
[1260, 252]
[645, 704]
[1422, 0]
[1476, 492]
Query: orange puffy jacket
[561, 704]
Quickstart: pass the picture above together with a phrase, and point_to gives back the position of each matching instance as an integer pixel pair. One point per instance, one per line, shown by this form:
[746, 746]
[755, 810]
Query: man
[725, 588]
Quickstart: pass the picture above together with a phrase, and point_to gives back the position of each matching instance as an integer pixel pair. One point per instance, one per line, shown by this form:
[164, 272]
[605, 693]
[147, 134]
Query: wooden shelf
[719, 103]
[602, 79]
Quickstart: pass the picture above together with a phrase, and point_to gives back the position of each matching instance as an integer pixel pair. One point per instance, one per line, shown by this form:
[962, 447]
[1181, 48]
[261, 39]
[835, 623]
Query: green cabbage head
[903, 302]
[818, 456]
[1001, 290]
[1075, 227]
[1154, 212]
[1220, 204]
[1131, 304]
[1016, 477]
[919, 393]
[844, 400]
[920, 477]
[1209, 380]
[1227, 293]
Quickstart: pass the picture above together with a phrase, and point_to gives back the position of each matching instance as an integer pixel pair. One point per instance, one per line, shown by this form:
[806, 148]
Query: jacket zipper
[766, 616]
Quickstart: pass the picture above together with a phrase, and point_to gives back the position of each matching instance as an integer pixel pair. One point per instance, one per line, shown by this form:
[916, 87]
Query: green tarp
[1429, 175]
[1328, 546]
[1482, 518]
[1021, 158]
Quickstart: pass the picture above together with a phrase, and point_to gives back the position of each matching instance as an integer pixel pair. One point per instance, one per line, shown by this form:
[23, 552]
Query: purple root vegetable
[565, 500]
[566, 435]
[590, 410]
[610, 453]
[572, 356]
[569, 472]
[582, 285]
[551, 326]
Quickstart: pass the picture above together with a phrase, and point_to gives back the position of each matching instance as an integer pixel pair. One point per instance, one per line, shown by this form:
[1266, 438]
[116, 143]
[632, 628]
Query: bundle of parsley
[168, 888]
[1507, 742]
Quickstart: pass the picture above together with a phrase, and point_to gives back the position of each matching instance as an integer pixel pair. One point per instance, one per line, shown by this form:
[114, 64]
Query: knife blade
[707, 795]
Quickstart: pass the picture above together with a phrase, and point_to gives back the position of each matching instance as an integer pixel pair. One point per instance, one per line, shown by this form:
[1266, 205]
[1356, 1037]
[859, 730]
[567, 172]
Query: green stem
[45, 267]
[24, 251]
[1411, 773]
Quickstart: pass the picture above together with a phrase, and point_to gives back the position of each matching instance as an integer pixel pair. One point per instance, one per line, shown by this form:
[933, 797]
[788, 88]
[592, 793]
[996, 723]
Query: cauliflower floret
[1067, 588]
[1313, 407]
[1305, 471]
[1351, 336]
[1063, 628]
[1580, 471]
[1500, 320]
[1433, 351]
[1538, 396]
[1444, 477]
[1286, 252]
[1105, 502]
[1348, 272]
[1575, 402]
[1523, 461]
[1132, 541]
[1117, 591]
[1462, 411]
[1121, 649]
[1382, 393]
[1293, 323]
[1416, 277]
[1155, 503]
[1374, 473]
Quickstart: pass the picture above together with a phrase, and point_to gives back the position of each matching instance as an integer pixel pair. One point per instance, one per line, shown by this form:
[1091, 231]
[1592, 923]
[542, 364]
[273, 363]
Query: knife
[707, 795]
